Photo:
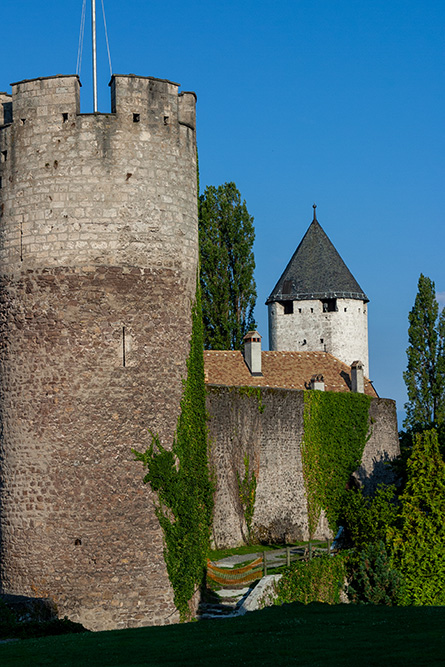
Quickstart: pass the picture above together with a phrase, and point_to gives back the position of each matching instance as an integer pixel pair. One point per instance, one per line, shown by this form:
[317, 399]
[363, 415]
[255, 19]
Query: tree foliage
[374, 581]
[417, 541]
[425, 374]
[366, 519]
[226, 236]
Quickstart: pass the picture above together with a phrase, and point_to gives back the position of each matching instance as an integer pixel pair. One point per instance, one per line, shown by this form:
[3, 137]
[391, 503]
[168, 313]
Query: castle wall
[267, 426]
[98, 251]
[343, 333]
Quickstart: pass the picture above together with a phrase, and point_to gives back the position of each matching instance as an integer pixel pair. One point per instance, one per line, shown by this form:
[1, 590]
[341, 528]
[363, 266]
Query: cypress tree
[425, 374]
[226, 236]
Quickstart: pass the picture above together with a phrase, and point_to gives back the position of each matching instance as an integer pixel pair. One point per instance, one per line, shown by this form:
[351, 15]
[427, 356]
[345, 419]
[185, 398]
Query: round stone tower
[98, 252]
[317, 305]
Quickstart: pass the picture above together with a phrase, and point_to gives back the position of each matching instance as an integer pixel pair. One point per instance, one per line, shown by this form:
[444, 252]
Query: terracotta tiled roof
[286, 370]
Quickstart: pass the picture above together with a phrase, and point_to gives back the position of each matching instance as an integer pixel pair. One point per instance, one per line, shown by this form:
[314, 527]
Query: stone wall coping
[137, 76]
[189, 92]
[45, 78]
[253, 601]
[3, 92]
[210, 385]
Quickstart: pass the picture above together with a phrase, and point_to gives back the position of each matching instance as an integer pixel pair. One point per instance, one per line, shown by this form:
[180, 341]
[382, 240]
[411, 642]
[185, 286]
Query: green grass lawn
[217, 554]
[312, 635]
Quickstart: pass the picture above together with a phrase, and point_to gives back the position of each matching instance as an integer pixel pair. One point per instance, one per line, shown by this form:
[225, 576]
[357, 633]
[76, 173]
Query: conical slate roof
[316, 271]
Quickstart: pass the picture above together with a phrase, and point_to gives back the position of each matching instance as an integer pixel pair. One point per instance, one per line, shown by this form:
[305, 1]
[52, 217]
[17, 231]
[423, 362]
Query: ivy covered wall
[292, 423]
[336, 429]
[182, 482]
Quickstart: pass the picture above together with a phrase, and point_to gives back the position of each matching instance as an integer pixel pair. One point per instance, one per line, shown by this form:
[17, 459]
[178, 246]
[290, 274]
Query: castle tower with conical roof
[317, 305]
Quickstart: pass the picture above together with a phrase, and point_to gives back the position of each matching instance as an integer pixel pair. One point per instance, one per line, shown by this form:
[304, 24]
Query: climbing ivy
[254, 392]
[247, 493]
[181, 480]
[336, 427]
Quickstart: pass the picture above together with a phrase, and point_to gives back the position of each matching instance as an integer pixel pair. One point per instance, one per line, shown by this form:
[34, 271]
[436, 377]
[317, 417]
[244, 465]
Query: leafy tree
[226, 236]
[417, 540]
[366, 519]
[425, 374]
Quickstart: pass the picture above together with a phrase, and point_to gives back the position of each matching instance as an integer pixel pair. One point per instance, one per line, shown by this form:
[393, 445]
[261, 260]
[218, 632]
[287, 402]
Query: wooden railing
[233, 577]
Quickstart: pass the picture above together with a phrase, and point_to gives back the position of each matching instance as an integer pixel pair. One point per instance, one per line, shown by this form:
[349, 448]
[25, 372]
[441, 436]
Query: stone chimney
[317, 382]
[252, 352]
[357, 379]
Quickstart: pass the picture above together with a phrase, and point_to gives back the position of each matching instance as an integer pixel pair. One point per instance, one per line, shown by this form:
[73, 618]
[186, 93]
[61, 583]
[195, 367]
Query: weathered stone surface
[343, 333]
[267, 425]
[98, 251]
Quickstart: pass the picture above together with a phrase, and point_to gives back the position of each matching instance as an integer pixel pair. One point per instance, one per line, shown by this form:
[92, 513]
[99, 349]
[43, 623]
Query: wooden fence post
[287, 556]
[329, 547]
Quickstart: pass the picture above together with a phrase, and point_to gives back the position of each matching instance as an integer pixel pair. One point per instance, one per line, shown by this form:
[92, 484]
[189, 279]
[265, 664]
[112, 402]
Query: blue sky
[338, 102]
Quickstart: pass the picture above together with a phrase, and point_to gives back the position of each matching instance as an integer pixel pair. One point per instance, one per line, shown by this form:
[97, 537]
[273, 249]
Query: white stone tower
[317, 305]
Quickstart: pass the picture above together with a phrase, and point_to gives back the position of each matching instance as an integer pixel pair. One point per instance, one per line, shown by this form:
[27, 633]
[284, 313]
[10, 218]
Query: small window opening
[4, 156]
[65, 117]
[312, 310]
[166, 119]
[321, 340]
[1, 183]
[136, 117]
[359, 310]
[304, 341]
[288, 307]
[123, 347]
[346, 310]
[22, 121]
[78, 542]
[329, 305]
[299, 310]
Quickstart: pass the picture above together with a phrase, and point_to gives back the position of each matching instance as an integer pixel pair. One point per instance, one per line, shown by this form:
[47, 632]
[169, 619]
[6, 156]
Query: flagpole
[93, 30]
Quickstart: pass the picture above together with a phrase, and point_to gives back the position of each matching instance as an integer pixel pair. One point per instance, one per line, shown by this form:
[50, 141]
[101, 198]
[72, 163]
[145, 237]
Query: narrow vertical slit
[123, 347]
[21, 240]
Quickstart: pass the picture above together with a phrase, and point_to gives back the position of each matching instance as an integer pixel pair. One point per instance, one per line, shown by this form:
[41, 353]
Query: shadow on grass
[292, 634]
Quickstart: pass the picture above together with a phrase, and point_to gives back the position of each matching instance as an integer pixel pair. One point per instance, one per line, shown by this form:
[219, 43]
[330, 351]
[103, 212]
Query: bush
[320, 579]
[11, 625]
[374, 581]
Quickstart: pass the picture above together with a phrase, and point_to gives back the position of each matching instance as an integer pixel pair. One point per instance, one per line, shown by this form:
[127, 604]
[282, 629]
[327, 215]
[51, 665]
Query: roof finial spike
[314, 206]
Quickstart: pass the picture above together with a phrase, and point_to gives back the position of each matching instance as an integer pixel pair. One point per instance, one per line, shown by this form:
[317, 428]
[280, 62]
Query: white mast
[93, 30]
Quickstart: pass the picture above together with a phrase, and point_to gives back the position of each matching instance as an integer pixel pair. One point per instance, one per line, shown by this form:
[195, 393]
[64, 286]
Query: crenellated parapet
[103, 188]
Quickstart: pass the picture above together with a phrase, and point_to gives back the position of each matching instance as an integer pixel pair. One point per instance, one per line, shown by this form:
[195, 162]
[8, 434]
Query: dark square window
[329, 305]
[288, 307]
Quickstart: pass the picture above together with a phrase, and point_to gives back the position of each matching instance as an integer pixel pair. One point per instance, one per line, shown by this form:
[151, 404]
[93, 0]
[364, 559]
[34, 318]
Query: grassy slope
[293, 634]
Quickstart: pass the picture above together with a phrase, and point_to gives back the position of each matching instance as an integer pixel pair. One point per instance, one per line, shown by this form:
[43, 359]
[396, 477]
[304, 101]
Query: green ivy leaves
[336, 429]
[180, 477]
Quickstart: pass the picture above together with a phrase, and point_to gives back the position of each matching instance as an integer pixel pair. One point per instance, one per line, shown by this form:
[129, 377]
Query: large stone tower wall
[98, 258]
[342, 332]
